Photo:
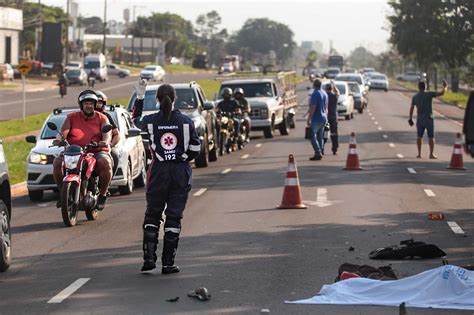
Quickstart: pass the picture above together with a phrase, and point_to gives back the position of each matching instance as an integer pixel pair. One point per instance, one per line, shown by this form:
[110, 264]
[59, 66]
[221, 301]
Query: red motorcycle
[80, 183]
[62, 89]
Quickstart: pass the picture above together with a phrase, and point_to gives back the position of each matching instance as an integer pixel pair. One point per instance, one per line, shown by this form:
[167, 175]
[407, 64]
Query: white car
[378, 81]
[8, 72]
[114, 69]
[74, 64]
[353, 77]
[131, 168]
[153, 72]
[345, 102]
[409, 76]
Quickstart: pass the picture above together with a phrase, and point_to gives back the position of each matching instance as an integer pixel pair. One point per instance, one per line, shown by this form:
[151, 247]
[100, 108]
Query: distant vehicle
[345, 102]
[200, 61]
[114, 69]
[175, 61]
[153, 72]
[367, 70]
[74, 64]
[336, 61]
[48, 68]
[360, 96]
[5, 213]
[76, 76]
[99, 64]
[7, 71]
[131, 168]
[378, 81]
[353, 77]
[409, 76]
[230, 63]
[227, 68]
[192, 102]
[331, 73]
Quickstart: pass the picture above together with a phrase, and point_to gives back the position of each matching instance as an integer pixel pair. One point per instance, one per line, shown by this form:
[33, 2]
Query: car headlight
[37, 158]
[71, 161]
[264, 113]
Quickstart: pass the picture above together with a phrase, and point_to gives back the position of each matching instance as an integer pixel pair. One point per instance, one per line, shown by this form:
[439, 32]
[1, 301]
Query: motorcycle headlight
[264, 113]
[36, 158]
[71, 161]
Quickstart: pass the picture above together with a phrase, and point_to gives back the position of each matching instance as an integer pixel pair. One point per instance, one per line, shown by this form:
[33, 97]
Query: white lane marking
[259, 145]
[226, 171]
[391, 145]
[411, 170]
[385, 136]
[455, 227]
[46, 204]
[370, 114]
[379, 128]
[321, 199]
[73, 287]
[429, 193]
[376, 122]
[373, 118]
[200, 192]
[245, 156]
[400, 156]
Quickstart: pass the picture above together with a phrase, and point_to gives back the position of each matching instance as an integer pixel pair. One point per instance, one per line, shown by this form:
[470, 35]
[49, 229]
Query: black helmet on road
[226, 92]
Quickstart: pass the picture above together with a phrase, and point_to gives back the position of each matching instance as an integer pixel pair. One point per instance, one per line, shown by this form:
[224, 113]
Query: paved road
[11, 104]
[250, 255]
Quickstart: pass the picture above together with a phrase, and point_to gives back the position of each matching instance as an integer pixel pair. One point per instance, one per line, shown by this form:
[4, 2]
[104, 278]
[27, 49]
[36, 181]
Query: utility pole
[67, 33]
[105, 27]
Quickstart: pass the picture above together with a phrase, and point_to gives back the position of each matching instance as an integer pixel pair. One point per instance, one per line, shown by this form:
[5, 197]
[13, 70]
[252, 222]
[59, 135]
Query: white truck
[272, 99]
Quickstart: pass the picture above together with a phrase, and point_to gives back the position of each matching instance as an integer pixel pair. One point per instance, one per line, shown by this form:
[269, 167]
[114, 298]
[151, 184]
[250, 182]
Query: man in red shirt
[81, 128]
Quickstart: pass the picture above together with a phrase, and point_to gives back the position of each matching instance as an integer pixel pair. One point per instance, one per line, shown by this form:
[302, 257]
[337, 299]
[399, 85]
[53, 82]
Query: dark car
[76, 76]
[191, 101]
[5, 213]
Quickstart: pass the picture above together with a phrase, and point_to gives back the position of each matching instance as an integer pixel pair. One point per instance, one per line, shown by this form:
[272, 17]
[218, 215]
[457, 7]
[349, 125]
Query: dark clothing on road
[468, 125]
[332, 106]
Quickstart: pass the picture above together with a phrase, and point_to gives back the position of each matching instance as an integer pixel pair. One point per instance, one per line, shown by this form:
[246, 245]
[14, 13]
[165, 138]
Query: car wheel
[121, 75]
[352, 115]
[284, 125]
[5, 238]
[35, 195]
[127, 189]
[269, 131]
[213, 151]
[202, 159]
[360, 110]
[140, 181]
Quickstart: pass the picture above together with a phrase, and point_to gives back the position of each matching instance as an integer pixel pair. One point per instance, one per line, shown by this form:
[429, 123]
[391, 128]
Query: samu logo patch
[168, 141]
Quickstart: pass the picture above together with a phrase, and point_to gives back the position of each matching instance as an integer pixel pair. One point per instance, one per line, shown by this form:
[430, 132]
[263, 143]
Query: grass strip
[18, 126]
[16, 154]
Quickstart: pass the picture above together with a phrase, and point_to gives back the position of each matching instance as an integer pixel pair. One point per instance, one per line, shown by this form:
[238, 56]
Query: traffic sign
[24, 67]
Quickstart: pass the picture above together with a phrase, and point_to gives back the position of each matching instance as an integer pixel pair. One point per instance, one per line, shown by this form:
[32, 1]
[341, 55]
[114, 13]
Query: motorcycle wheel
[5, 238]
[221, 143]
[69, 207]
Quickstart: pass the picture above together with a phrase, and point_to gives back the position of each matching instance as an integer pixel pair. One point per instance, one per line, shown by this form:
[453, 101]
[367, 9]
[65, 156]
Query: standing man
[424, 117]
[173, 144]
[468, 125]
[317, 118]
[333, 94]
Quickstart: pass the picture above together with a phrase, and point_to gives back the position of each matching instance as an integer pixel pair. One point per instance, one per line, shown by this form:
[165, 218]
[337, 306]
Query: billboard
[51, 43]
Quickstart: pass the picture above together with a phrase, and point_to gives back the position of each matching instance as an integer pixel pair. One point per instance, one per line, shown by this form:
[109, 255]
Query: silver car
[345, 102]
[5, 213]
[131, 168]
[378, 81]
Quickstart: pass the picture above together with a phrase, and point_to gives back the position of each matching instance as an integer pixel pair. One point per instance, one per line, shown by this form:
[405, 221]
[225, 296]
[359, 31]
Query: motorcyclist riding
[100, 107]
[91, 78]
[81, 128]
[244, 104]
[63, 82]
[228, 105]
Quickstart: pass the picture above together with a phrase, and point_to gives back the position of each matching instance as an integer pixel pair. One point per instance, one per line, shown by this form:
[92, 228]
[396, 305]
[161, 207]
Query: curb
[19, 190]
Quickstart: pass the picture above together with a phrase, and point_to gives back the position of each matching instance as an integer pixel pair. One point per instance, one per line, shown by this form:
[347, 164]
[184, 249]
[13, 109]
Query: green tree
[207, 28]
[92, 25]
[361, 57]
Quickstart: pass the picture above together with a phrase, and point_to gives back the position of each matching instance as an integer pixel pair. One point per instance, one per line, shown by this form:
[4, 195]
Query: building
[308, 46]
[11, 24]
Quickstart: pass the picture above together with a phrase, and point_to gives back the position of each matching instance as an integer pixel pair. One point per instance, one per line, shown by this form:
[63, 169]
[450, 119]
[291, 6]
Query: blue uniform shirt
[175, 139]
[319, 98]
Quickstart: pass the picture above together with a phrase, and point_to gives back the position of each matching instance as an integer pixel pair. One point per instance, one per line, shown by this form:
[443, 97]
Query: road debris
[201, 293]
[175, 299]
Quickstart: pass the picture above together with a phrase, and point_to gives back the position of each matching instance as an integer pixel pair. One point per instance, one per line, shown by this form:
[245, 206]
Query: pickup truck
[272, 99]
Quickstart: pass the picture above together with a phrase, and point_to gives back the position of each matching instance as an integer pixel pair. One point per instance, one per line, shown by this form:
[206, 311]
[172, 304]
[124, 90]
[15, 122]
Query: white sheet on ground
[447, 287]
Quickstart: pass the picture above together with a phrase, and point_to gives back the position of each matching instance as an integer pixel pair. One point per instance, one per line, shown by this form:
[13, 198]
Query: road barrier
[352, 162]
[456, 158]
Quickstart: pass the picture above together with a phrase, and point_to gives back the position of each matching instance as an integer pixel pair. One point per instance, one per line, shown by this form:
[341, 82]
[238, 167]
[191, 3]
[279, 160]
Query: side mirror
[31, 139]
[52, 126]
[208, 106]
[133, 132]
[106, 128]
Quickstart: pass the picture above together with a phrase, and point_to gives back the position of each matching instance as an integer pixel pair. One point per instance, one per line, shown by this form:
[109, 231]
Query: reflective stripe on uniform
[173, 230]
[186, 136]
[195, 148]
[152, 142]
[184, 156]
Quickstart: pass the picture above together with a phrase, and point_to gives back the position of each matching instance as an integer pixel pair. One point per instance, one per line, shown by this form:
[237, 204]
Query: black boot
[170, 245]
[150, 242]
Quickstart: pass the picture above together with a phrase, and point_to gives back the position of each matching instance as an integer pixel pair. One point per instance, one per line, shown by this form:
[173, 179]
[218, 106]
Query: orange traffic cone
[456, 158]
[352, 163]
[291, 195]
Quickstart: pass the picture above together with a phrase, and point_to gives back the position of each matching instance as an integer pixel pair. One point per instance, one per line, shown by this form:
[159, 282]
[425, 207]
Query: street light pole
[67, 32]
[105, 27]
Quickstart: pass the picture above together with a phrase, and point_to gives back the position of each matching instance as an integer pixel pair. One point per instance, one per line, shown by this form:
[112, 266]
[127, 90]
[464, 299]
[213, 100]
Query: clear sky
[348, 23]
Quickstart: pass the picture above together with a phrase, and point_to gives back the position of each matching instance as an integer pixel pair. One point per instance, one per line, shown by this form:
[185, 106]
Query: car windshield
[263, 89]
[350, 78]
[354, 88]
[333, 71]
[51, 134]
[150, 68]
[378, 77]
[341, 87]
[185, 100]
[92, 64]
[73, 72]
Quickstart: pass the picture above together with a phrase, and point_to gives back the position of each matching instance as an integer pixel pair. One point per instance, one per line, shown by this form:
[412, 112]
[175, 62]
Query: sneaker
[169, 269]
[101, 202]
[315, 158]
[148, 265]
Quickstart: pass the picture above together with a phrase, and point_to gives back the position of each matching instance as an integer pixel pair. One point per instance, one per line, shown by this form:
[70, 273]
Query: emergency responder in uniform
[173, 144]
[228, 105]
[100, 107]
[244, 105]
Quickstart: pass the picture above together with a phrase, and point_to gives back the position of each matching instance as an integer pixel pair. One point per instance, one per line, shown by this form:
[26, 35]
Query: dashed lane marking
[376, 122]
[385, 136]
[429, 193]
[391, 145]
[400, 156]
[379, 128]
[411, 170]
[455, 227]
[200, 192]
[373, 118]
[259, 145]
[73, 287]
[245, 156]
[226, 171]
